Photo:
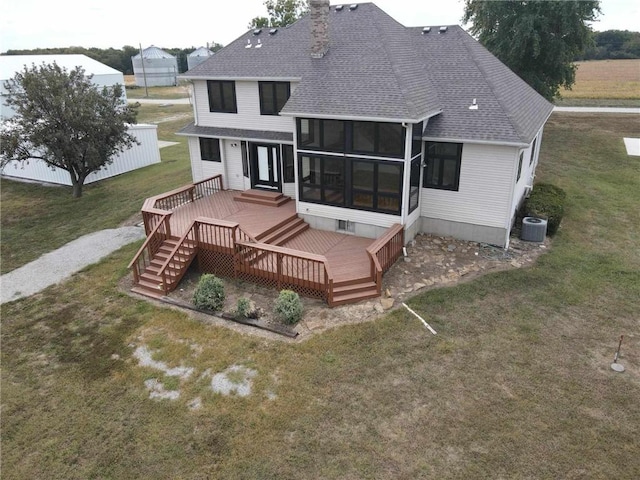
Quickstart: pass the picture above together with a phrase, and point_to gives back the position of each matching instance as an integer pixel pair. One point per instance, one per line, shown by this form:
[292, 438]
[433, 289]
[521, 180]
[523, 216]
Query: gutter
[323, 116]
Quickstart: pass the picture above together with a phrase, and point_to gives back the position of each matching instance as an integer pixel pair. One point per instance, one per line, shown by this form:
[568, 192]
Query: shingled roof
[378, 69]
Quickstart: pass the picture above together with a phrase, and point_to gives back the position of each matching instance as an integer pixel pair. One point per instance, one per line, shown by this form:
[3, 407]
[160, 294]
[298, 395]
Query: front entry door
[265, 166]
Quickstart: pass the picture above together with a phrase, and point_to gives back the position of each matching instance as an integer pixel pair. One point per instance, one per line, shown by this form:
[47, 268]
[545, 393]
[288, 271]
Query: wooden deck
[346, 254]
[253, 219]
[258, 237]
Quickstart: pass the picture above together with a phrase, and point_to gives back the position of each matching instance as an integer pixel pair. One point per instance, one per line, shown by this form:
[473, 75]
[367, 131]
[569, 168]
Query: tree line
[118, 58]
[613, 45]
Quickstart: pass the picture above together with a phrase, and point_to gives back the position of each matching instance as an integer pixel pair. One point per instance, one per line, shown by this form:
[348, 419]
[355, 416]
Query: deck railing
[169, 201]
[384, 252]
[281, 267]
[187, 247]
[160, 232]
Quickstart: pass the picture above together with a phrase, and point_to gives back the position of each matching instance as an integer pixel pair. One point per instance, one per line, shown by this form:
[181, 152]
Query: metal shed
[103, 75]
[198, 56]
[160, 68]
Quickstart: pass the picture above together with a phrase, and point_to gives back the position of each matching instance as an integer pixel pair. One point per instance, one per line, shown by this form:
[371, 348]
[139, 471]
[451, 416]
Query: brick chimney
[319, 13]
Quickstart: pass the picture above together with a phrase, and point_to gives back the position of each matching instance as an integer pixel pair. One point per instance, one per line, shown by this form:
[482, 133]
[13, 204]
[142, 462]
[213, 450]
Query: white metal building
[138, 156]
[103, 75]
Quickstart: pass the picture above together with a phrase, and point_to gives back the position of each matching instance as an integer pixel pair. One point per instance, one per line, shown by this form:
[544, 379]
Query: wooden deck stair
[150, 282]
[262, 197]
[353, 291]
[284, 231]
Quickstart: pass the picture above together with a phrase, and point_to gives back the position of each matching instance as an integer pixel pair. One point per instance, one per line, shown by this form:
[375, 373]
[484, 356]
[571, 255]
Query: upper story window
[222, 96]
[533, 151]
[210, 149]
[519, 167]
[443, 165]
[273, 96]
[373, 138]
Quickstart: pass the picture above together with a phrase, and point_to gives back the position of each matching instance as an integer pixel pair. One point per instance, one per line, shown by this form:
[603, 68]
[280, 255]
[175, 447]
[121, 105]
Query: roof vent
[257, 31]
[426, 30]
[248, 45]
[273, 31]
[443, 29]
[259, 45]
[474, 105]
[339, 8]
[353, 6]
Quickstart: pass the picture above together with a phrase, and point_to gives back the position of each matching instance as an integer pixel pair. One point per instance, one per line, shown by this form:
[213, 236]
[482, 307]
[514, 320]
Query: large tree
[280, 13]
[538, 40]
[65, 120]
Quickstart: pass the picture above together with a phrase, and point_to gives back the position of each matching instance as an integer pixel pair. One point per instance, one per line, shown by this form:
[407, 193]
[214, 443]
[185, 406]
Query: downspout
[508, 224]
[192, 95]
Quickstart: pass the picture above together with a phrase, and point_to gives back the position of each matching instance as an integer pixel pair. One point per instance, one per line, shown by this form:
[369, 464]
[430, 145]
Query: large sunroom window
[353, 183]
[368, 138]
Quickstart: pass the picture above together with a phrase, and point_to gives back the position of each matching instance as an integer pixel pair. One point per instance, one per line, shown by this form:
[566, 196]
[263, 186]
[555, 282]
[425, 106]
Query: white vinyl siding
[339, 213]
[232, 155]
[289, 189]
[487, 175]
[248, 116]
[527, 174]
[203, 169]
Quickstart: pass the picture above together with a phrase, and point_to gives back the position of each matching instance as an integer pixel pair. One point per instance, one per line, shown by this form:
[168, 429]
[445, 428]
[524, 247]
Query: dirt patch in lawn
[431, 262]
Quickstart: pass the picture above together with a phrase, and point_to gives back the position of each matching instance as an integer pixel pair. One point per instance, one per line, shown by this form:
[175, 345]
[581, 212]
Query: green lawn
[515, 385]
[37, 219]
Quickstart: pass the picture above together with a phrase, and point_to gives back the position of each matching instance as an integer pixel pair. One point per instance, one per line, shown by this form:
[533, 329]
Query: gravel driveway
[56, 266]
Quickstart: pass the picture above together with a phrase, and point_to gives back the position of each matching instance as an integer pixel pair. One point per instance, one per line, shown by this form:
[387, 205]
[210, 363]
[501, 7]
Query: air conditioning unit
[533, 229]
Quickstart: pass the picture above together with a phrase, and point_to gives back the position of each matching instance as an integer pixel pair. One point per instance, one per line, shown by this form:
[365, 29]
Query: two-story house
[367, 123]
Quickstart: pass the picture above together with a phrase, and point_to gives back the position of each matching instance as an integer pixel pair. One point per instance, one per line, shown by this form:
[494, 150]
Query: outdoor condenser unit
[533, 229]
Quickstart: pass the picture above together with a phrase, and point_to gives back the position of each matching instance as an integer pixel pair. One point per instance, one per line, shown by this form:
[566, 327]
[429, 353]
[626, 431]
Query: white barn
[138, 156]
[103, 75]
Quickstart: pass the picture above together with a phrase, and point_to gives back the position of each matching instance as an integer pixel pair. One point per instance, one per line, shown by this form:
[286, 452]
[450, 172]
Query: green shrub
[288, 307]
[209, 294]
[546, 201]
[243, 307]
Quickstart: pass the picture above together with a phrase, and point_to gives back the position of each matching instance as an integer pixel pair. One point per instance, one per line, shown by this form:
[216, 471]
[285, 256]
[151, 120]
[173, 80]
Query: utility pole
[144, 73]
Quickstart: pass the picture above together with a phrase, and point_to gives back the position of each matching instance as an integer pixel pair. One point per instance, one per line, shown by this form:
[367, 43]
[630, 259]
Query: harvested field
[615, 79]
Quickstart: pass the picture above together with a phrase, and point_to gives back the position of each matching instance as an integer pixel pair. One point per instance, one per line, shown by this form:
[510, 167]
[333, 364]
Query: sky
[28, 24]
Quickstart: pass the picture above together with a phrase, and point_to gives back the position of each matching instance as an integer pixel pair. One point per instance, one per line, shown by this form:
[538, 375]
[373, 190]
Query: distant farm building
[198, 56]
[157, 66]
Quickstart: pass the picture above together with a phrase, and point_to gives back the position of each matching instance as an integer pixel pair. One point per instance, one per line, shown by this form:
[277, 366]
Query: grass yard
[606, 80]
[515, 385]
[179, 91]
[37, 219]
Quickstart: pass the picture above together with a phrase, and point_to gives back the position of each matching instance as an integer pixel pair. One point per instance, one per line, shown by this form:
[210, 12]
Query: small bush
[288, 307]
[243, 307]
[546, 201]
[209, 294]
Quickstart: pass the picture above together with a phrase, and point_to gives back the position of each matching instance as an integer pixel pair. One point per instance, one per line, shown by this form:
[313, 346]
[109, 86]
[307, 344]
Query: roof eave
[360, 117]
[479, 142]
[244, 79]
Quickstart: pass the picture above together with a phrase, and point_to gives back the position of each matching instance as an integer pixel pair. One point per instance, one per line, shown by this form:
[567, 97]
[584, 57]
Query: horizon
[51, 29]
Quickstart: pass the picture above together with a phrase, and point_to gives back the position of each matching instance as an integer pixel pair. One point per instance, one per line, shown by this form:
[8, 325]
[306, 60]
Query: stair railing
[142, 259]
[192, 231]
[384, 251]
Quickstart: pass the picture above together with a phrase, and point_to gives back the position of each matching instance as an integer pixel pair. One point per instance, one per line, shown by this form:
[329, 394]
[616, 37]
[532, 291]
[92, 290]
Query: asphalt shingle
[376, 68]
